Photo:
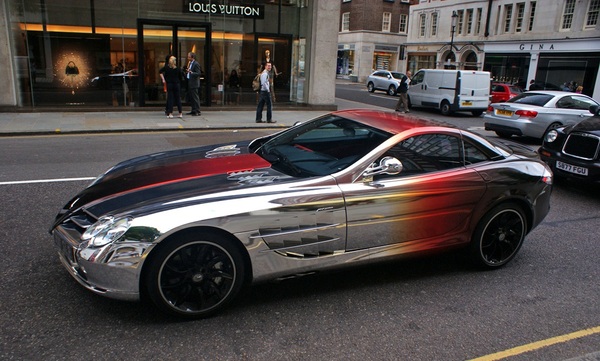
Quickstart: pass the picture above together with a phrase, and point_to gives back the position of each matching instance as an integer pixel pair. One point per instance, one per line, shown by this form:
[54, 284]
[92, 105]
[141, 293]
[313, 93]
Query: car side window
[582, 102]
[473, 155]
[380, 74]
[428, 153]
[417, 78]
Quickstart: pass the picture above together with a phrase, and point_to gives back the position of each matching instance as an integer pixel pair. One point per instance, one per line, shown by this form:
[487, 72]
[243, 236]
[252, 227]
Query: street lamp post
[454, 20]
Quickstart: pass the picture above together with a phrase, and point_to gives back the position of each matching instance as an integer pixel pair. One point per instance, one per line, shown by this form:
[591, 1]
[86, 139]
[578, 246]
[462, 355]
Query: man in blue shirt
[264, 95]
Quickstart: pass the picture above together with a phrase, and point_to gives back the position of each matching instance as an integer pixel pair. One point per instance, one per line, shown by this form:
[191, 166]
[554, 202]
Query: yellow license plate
[466, 104]
[507, 113]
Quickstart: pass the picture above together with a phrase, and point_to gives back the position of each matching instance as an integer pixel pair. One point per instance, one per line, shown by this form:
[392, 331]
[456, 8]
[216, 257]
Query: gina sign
[211, 8]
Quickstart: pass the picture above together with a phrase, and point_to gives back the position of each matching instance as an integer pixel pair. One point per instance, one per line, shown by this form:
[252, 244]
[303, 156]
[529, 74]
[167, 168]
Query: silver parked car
[385, 80]
[533, 113]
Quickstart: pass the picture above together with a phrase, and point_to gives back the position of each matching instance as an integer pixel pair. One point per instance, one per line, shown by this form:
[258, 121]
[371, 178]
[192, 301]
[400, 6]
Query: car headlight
[106, 230]
[551, 136]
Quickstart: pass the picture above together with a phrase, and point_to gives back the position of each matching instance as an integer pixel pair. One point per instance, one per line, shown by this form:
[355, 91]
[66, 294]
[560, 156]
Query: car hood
[156, 180]
[589, 125]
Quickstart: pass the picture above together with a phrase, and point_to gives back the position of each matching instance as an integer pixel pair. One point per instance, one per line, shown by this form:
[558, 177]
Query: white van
[451, 90]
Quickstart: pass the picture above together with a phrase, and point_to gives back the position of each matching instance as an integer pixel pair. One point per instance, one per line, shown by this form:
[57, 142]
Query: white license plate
[571, 168]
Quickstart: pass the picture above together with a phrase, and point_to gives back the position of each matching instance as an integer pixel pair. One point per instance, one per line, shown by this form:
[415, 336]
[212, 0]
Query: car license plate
[571, 168]
[507, 113]
[467, 104]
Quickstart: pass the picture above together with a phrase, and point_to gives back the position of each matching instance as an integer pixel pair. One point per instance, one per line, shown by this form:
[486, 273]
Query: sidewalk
[32, 123]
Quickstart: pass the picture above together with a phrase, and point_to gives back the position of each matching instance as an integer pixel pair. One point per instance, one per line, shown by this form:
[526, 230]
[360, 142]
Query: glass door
[157, 41]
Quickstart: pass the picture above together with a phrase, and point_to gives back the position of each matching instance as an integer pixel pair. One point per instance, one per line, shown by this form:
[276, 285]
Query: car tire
[194, 275]
[391, 90]
[504, 135]
[445, 108]
[371, 87]
[498, 236]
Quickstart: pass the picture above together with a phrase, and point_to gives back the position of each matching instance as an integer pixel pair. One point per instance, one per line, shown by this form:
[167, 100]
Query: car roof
[388, 121]
[553, 92]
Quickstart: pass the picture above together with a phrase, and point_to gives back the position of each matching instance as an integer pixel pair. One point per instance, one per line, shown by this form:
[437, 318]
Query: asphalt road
[435, 308]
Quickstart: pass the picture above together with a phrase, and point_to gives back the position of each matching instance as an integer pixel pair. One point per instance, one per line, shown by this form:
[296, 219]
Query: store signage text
[536, 47]
[209, 8]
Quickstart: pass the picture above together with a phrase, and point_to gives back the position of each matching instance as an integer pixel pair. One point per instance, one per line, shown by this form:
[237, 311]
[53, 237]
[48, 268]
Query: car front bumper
[112, 271]
[593, 167]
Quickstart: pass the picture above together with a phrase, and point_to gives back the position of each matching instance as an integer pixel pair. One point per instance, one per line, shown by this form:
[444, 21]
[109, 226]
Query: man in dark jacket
[402, 89]
[193, 78]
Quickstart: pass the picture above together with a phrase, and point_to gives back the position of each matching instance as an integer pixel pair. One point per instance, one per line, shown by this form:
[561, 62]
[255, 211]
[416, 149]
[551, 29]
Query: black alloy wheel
[195, 276]
[498, 236]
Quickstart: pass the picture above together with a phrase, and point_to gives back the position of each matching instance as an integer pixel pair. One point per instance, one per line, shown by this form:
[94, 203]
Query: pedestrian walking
[402, 93]
[265, 96]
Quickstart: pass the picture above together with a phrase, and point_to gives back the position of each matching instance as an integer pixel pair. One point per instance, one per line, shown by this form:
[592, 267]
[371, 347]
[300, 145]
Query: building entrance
[158, 40]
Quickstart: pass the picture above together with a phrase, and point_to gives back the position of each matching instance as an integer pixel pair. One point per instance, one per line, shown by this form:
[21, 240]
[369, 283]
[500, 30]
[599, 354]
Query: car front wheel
[194, 275]
[498, 236]
[391, 90]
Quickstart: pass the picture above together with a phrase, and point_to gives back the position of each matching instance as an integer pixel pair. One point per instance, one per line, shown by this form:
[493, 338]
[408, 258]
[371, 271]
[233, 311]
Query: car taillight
[490, 108]
[527, 113]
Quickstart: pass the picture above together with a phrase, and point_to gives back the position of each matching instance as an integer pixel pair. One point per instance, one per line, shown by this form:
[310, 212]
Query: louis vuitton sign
[215, 9]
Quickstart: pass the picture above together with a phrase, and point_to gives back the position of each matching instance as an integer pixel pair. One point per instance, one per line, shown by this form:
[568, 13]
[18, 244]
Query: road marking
[539, 344]
[47, 180]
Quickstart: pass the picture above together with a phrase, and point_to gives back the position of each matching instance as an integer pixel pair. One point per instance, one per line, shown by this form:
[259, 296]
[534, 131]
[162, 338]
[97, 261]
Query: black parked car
[573, 152]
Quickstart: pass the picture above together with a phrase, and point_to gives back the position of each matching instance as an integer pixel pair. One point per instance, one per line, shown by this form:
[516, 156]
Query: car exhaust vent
[582, 146]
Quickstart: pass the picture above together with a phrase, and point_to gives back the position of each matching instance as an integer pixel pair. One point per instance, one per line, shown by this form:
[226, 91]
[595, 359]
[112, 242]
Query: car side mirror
[387, 165]
[594, 109]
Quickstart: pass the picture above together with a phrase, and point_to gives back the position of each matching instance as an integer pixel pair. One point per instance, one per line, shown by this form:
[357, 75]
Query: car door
[573, 109]
[424, 206]
[381, 80]
[416, 91]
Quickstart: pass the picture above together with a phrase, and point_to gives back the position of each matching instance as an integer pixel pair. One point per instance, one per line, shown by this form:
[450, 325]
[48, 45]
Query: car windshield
[531, 99]
[515, 89]
[397, 75]
[320, 147]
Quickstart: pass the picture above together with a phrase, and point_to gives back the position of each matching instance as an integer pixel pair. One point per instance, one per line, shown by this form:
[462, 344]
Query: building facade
[66, 53]
[371, 36]
[553, 43]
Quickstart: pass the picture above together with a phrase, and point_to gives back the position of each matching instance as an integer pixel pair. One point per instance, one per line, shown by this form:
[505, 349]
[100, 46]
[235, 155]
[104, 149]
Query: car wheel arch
[483, 251]
[519, 201]
[197, 230]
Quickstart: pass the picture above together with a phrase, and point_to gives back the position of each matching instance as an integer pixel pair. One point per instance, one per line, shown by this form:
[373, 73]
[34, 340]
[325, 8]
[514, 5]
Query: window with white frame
[460, 22]
[385, 23]
[434, 24]
[591, 18]
[469, 28]
[507, 17]
[346, 22]
[531, 15]
[567, 18]
[403, 23]
[520, 15]
[478, 21]
[422, 24]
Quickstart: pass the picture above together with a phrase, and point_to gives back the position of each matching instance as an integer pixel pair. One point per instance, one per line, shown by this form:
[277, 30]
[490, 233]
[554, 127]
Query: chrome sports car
[189, 228]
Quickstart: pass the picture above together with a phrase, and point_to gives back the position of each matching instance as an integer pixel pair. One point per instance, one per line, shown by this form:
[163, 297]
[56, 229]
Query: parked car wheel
[504, 135]
[445, 108]
[194, 275]
[498, 236]
[391, 90]
[371, 87]
[553, 126]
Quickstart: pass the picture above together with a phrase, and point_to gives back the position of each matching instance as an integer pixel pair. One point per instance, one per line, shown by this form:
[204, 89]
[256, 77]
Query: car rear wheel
[371, 87]
[504, 135]
[553, 126]
[445, 108]
[498, 236]
[391, 90]
[195, 275]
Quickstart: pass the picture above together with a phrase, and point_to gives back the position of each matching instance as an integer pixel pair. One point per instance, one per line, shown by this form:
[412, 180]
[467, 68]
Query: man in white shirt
[264, 95]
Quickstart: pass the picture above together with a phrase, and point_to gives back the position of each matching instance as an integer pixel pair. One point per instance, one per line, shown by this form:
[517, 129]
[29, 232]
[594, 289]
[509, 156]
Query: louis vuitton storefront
[67, 53]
